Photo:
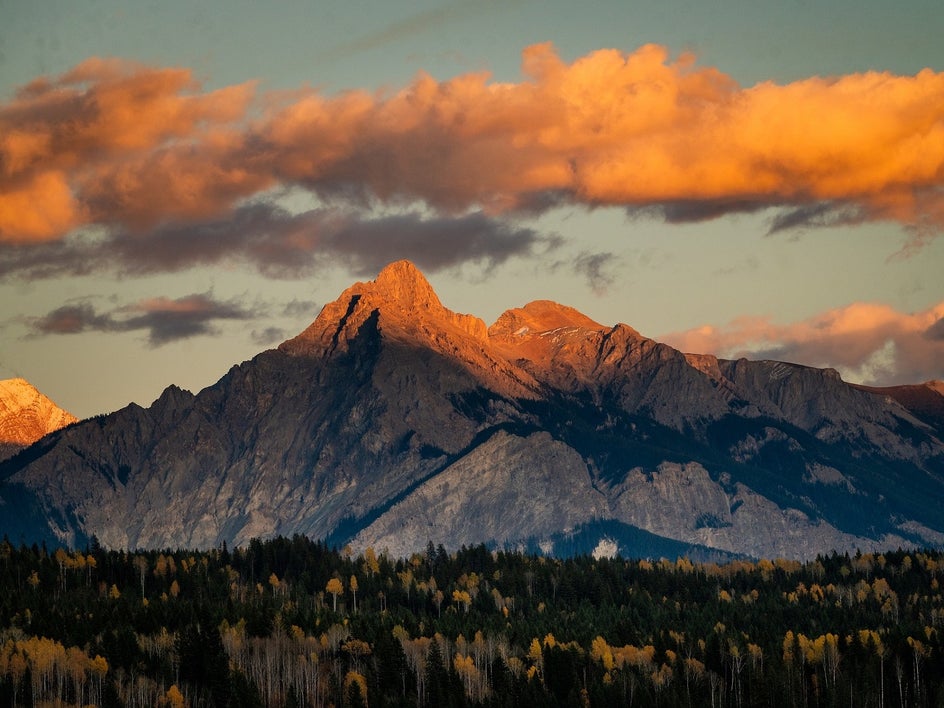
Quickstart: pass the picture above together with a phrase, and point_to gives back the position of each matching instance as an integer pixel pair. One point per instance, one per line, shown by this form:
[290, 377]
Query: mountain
[394, 422]
[925, 401]
[26, 415]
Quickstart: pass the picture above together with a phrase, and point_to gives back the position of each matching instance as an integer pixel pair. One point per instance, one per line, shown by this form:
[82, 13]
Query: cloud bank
[145, 154]
[281, 244]
[164, 319]
[867, 343]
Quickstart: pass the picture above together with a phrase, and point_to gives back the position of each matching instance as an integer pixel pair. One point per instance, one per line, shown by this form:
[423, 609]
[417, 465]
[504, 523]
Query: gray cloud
[432, 243]
[299, 308]
[165, 320]
[936, 331]
[596, 268]
[413, 25]
[72, 319]
[815, 216]
[280, 244]
[681, 211]
[268, 336]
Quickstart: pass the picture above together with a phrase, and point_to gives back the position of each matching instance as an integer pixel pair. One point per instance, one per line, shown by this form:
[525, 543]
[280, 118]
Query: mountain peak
[540, 316]
[26, 415]
[403, 301]
[402, 282]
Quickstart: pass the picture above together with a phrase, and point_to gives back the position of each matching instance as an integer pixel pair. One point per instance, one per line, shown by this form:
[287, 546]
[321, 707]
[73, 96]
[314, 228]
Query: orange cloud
[138, 146]
[43, 209]
[866, 342]
[63, 140]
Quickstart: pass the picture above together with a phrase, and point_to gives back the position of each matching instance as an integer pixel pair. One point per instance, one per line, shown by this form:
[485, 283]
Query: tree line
[292, 622]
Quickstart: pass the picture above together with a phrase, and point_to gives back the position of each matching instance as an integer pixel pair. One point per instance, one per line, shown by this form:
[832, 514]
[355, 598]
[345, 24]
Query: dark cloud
[164, 319]
[167, 320]
[432, 243]
[73, 256]
[73, 319]
[280, 244]
[684, 211]
[815, 216]
[936, 331]
[268, 336]
[300, 308]
[412, 25]
[596, 268]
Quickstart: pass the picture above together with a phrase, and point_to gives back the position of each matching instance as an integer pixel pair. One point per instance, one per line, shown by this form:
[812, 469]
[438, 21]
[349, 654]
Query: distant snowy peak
[26, 415]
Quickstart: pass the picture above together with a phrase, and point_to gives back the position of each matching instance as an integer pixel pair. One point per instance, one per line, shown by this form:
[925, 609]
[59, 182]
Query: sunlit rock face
[26, 415]
[394, 422]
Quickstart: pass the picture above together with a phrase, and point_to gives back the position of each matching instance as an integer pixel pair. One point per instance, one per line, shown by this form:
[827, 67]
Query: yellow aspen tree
[462, 597]
[536, 655]
[438, 600]
[371, 564]
[354, 679]
[335, 587]
[174, 698]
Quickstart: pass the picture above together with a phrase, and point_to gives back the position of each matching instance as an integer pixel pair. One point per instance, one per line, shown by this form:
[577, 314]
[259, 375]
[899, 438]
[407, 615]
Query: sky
[186, 184]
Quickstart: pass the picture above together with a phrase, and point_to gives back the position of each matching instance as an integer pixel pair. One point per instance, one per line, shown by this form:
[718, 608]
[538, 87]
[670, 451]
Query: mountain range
[394, 422]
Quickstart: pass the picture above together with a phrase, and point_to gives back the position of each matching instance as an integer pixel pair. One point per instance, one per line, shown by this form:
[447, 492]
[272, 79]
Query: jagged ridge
[393, 421]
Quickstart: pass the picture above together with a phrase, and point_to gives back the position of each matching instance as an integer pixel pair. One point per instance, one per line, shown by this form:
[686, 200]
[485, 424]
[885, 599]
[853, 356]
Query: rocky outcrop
[393, 422]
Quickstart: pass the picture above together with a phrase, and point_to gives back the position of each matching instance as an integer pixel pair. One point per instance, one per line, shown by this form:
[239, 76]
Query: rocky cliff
[394, 422]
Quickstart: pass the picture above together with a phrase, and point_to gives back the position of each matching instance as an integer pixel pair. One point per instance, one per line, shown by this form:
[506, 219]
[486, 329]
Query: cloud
[73, 319]
[936, 331]
[432, 243]
[81, 149]
[300, 308]
[281, 244]
[867, 343]
[412, 25]
[164, 319]
[268, 336]
[596, 268]
[137, 150]
[168, 319]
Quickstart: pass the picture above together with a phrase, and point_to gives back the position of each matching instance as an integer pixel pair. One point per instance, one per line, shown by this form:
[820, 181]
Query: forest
[292, 622]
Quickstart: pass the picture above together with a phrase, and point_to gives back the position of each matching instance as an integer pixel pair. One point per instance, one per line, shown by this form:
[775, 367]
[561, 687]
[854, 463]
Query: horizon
[763, 183]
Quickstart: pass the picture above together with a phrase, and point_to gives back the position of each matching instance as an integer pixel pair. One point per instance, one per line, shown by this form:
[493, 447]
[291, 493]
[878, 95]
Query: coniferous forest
[291, 622]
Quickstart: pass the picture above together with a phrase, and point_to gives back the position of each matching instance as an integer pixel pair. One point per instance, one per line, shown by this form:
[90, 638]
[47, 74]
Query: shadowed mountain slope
[394, 422]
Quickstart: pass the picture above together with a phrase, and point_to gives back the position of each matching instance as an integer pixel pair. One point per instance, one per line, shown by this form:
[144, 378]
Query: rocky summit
[26, 415]
[393, 422]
